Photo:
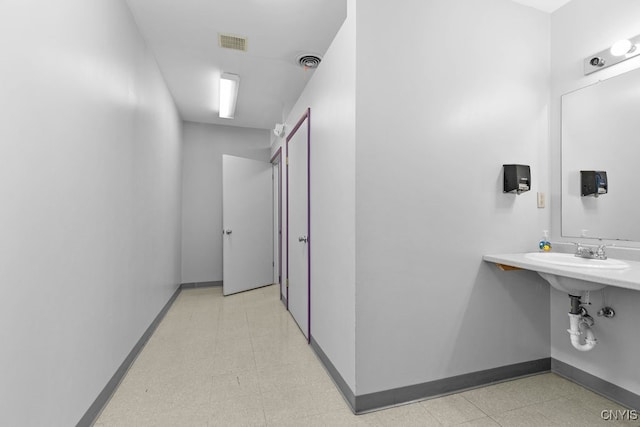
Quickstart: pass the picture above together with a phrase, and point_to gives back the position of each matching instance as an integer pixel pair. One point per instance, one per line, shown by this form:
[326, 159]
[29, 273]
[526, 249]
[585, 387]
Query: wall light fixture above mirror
[618, 52]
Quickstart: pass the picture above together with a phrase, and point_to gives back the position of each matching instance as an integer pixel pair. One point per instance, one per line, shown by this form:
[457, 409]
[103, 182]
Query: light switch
[541, 200]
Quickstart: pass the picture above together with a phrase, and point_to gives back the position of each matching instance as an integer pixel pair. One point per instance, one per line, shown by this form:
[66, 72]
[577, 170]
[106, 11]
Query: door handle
[227, 231]
[303, 239]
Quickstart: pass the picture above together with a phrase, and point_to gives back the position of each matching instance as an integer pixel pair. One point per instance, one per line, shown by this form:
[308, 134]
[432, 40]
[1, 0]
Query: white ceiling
[183, 35]
[548, 6]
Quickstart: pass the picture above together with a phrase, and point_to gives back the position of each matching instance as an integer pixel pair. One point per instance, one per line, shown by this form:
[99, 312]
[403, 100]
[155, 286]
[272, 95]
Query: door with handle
[298, 236]
[246, 217]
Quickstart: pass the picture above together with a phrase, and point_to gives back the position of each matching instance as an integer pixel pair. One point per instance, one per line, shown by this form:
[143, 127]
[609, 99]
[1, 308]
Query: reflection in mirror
[601, 132]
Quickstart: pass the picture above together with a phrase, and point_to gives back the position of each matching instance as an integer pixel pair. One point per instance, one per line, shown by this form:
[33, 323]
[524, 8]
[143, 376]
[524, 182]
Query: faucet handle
[582, 251]
[600, 253]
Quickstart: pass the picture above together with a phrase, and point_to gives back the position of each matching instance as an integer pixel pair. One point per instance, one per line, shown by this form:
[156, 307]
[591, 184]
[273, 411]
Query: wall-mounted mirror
[601, 132]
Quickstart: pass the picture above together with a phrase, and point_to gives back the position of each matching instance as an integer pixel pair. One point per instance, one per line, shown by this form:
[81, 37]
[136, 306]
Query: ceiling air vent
[309, 61]
[229, 41]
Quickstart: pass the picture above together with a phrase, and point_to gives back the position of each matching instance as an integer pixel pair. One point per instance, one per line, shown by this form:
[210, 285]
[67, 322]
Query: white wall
[330, 94]
[447, 92]
[579, 29]
[90, 186]
[204, 146]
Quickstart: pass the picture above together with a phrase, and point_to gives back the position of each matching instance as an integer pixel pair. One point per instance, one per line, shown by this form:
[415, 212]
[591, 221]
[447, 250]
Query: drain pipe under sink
[580, 323]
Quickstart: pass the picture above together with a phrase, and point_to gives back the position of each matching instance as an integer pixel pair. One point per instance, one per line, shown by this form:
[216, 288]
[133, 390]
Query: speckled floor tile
[242, 361]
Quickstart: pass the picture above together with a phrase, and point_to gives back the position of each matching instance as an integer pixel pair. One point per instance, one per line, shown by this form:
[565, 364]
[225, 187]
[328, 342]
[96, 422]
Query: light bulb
[621, 47]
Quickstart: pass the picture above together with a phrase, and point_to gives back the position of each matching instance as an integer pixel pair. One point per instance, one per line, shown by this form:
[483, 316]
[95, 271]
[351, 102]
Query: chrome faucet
[590, 252]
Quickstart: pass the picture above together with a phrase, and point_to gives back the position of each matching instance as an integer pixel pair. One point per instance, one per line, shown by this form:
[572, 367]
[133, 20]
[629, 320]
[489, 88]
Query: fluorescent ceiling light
[228, 94]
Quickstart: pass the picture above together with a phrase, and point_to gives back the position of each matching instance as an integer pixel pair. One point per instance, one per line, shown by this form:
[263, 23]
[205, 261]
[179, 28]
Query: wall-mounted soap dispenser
[593, 183]
[517, 178]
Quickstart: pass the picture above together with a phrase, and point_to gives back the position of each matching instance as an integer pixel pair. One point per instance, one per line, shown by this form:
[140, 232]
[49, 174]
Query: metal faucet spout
[591, 252]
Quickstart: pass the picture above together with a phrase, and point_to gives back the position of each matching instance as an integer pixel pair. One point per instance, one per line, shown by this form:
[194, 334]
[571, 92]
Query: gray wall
[330, 94]
[579, 29]
[447, 91]
[90, 164]
[204, 145]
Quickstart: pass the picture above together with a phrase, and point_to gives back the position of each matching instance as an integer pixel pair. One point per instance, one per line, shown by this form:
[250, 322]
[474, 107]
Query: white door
[298, 229]
[246, 217]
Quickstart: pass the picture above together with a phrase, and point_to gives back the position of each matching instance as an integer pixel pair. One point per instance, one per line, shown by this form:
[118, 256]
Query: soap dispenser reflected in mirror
[593, 183]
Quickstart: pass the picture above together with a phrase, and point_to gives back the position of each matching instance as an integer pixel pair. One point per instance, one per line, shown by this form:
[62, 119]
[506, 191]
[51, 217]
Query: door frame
[276, 159]
[305, 116]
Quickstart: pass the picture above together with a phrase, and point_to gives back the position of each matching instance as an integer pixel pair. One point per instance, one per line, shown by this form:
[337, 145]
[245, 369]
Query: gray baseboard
[103, 398]
[597, 385]
[284, 300]
[383, 399]
[201, 285]
[386, 398]
[335, 375]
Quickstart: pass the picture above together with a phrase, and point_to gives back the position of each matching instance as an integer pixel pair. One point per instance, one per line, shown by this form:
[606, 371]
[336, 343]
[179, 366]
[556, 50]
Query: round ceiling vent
[309, 61]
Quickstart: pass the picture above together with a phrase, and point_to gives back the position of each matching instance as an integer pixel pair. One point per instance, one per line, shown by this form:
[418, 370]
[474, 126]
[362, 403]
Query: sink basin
[571, 274]
[570, 260]
[571, 285]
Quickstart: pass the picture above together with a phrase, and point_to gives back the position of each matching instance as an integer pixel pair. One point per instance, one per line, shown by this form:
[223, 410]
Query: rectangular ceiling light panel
[228, 95]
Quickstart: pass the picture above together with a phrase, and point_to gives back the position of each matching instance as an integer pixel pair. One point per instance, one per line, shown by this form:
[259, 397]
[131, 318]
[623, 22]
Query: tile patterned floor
[242, 361]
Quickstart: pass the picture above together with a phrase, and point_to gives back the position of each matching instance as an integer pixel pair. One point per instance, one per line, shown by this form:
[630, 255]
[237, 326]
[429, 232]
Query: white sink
[571, 285]
[570, 260]
[571, 274]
